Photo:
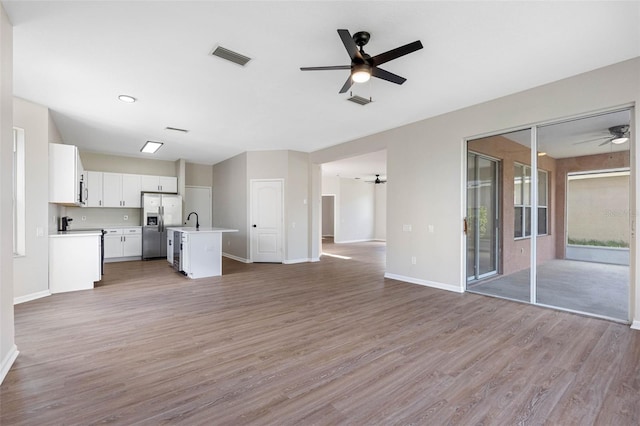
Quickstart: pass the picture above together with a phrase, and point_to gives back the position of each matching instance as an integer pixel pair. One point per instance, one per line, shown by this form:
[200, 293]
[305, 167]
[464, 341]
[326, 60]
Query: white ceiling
[364, 167]
[77, 57]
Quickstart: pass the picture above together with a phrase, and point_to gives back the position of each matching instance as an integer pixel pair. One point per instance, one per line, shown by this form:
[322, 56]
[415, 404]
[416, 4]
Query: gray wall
[297, 207]
[8, 350]
[31, 271]
[380, 232]
[328, 213]
[198, 175]
[230, 204]
[118, 164]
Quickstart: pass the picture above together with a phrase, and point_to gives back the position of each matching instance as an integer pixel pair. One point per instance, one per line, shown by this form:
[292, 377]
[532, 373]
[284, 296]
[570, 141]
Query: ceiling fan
[364, 66]
[377, 181]
[617, 135]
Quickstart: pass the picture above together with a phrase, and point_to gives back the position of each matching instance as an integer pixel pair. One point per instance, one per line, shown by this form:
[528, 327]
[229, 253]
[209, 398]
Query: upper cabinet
[105, 189]
[120, 190]
[159, 184]
[94, 189]
[66, 175]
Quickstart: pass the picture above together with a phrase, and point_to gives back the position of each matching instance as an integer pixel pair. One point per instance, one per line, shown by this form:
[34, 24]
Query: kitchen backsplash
[101, 217]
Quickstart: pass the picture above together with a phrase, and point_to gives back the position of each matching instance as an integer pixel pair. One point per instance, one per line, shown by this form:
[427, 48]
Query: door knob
[255, 226]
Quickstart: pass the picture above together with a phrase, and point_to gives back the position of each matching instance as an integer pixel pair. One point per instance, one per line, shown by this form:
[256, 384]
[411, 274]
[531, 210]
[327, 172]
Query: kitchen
[128, 215]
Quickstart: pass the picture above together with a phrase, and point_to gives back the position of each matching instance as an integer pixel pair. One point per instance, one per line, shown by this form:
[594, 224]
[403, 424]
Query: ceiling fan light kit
[364, 66]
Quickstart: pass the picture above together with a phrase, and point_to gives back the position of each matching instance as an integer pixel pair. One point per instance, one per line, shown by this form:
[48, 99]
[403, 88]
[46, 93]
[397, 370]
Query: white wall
[426, 160]
[380, 232]
[357, 211]
[8, 350]
[119, 164]
[31, 271]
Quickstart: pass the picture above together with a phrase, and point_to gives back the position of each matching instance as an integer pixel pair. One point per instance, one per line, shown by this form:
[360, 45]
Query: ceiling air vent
[359, 100]
[230, 55]
[176, 129]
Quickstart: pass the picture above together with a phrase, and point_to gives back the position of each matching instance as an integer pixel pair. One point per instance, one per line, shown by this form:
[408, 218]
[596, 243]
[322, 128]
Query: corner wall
[8, 349]
[31, 271]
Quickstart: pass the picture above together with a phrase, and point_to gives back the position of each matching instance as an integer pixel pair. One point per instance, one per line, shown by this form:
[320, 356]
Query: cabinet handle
[99, 202]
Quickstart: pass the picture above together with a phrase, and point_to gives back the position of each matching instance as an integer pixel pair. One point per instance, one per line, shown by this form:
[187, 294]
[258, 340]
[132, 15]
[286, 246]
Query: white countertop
[77, 233]
[202, 230]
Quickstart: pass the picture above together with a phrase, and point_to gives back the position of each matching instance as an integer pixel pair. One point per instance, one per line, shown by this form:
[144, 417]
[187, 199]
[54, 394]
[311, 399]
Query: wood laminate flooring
[331, 342]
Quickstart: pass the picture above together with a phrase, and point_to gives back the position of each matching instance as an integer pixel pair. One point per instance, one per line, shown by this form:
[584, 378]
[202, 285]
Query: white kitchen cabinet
[121, 190]
[74, 261]
[123, 243]
[93, 189]
[66, 184]
[159, 183]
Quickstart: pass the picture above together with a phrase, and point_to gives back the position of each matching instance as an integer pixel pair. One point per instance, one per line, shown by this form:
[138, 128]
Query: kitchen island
[196, 252]
[75, 260]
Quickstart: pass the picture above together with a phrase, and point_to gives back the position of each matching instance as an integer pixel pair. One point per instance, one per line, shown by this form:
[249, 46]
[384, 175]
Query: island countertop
[193, 230]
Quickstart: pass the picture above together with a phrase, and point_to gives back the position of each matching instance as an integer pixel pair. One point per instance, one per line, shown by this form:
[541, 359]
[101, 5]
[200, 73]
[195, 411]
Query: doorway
[328, 216]
[482, 216]
[564, 203]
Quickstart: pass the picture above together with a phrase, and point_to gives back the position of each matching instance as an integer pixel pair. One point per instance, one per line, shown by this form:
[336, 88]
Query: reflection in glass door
[482, 217]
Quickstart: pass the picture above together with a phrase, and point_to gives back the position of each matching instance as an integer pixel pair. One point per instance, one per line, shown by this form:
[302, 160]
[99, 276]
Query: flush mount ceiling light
[126, 98]
[619, 141]
[361, 73]
[151, 147]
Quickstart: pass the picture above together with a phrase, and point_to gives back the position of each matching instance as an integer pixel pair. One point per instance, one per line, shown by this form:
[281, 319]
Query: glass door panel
[501, 215]
[583, 215]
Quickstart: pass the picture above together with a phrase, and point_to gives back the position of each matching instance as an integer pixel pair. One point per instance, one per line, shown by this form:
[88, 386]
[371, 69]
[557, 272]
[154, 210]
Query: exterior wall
[598, 209]
[515, 254]
[614, 160]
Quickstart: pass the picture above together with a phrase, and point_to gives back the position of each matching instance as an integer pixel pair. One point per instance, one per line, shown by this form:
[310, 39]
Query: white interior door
[267, 220]
[198, 199]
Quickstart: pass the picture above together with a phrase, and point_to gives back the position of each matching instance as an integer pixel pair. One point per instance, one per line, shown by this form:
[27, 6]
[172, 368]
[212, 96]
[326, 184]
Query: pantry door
[266, 221]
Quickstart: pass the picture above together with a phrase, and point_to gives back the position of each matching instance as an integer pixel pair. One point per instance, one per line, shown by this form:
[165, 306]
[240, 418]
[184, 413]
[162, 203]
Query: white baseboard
[239, 259]
[32, 296]
[122, 259]
[635, 325]
[425, 283]
[304, 260]
[8, 361]
[353, 241]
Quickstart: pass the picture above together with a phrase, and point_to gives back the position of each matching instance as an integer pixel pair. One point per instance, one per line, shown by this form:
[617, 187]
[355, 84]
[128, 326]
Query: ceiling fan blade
[347, 85]
[605, 142]
[386, 75]
[396, 53]
[592, 140]
[335, 67]
[350, 45]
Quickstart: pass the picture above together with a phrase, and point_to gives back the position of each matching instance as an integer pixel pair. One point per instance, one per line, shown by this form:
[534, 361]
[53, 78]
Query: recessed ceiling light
[126, 98]
[151, 147]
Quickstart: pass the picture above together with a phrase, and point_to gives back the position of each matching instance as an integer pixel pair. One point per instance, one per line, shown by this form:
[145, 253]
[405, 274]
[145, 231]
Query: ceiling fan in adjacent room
[364, 66]
[377, 181]
[617, 135]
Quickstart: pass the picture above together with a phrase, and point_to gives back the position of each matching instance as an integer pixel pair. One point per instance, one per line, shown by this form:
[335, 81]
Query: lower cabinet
[123, 243]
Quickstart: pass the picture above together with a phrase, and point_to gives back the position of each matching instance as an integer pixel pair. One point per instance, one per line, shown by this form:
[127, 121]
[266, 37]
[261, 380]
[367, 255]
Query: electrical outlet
[413, 260]
[406, 228]
[84, 218]
[126, 217]
[430, 229]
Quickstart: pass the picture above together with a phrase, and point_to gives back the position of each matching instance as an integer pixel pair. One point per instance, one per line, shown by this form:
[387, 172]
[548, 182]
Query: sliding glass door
[482, 217]
[550, 225]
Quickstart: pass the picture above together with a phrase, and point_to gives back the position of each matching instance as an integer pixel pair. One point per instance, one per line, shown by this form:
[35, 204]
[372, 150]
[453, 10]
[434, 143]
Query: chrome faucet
[197, 221]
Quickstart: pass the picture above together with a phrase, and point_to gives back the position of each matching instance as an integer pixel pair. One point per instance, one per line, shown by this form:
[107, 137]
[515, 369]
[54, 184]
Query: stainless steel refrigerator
[159, 211]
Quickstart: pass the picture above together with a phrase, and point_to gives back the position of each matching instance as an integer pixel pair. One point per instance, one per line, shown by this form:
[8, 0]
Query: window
[18, 193]
[522, 201]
